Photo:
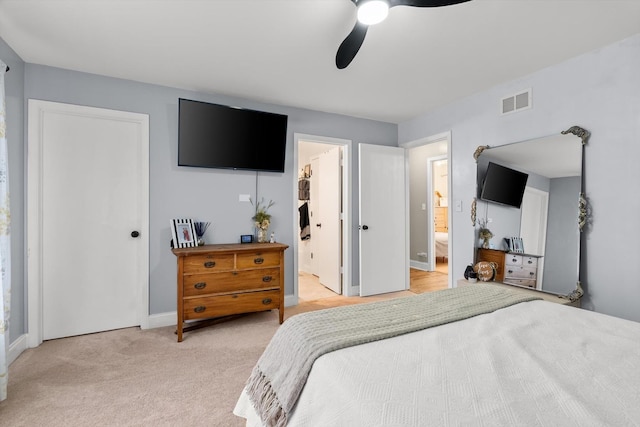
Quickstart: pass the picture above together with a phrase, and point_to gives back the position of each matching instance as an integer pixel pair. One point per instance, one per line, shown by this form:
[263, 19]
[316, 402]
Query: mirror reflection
[528, 197]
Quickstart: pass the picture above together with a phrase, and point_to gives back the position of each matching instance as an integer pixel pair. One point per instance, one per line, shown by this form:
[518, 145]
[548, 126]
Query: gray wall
[210, 194]
[599, 91]
[14, 93]
[562, 233]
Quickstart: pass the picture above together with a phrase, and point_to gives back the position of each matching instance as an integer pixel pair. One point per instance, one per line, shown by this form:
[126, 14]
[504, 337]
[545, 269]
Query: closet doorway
[320, 228]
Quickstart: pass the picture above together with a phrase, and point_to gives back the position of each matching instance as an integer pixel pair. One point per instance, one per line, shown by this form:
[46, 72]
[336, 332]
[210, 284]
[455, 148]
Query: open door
[327, 252]
[384, 262]
[533, 223]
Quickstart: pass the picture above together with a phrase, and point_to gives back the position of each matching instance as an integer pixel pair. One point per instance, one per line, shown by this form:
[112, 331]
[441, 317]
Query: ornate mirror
[534, 209]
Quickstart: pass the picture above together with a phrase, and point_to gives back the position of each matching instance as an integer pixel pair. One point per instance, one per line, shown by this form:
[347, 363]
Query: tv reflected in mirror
[503, 185]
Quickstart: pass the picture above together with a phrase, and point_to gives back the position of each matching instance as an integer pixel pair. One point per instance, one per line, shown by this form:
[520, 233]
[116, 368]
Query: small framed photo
[307, 170]
[183, 233]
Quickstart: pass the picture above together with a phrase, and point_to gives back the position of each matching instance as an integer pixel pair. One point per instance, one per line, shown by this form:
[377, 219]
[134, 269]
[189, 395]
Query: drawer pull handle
[266, 301]
[209, 264]
[258, 260]
[267, 279]
[510, 271]
[529, 262]
[531, 273]
[200, 285]
[200, 309]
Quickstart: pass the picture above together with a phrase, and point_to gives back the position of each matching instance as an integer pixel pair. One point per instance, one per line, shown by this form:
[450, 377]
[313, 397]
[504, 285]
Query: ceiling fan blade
[351, 45]
[424, 3]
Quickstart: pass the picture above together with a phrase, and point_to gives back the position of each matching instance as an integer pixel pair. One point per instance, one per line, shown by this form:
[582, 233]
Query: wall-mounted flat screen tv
[503, 185]
[220, 136]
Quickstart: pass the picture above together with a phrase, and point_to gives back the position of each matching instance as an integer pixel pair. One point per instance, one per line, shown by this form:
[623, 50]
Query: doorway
[322, 246]
[430, 215]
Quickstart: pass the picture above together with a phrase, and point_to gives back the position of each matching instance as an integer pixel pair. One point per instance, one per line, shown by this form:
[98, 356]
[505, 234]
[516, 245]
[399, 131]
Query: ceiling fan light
[373, 12]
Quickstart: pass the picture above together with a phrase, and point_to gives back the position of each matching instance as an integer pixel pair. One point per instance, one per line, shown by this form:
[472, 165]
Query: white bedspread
[531, 364]
[442, 244]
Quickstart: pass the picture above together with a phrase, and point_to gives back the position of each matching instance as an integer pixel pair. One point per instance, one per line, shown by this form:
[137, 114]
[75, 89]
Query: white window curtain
[5, 243]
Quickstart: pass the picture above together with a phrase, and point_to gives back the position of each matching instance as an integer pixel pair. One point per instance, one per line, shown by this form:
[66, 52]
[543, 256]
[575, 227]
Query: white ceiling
[554, 156]
[283, 51]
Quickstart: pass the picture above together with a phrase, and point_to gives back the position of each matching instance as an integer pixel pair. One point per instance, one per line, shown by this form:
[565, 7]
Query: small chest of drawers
[520, 270]
[227, 279]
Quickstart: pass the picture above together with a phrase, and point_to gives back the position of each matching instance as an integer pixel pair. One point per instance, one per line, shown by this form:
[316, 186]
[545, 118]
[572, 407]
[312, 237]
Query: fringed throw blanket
[282, 370]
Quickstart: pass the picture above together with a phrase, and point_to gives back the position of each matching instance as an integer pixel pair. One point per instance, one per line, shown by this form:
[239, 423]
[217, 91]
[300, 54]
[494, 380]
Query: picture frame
[183, 233]
[307, 170]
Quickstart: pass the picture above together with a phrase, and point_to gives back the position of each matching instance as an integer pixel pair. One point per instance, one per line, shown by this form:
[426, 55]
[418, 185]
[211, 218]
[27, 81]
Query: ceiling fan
[371, 12]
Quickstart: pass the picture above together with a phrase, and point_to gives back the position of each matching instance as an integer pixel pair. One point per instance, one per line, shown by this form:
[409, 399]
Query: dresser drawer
[224, 305]
[512, 271]
[529, 283]
[258, 259]
[229, 281]
[522, 260]
[207, 263]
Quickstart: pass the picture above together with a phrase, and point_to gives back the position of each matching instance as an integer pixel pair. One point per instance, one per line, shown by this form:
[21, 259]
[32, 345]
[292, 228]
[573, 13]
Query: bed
[442, 244]
[528, 363]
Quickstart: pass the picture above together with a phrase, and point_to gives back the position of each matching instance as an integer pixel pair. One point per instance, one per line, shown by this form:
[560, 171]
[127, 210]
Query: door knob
[135, 233]
[319, 225]
[365, 227]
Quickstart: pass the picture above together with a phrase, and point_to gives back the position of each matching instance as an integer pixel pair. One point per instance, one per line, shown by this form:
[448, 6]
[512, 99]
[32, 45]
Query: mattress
[442, 244]
[532, 364]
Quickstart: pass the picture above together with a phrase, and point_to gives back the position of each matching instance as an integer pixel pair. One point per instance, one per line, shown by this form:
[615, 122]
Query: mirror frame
[583, 211]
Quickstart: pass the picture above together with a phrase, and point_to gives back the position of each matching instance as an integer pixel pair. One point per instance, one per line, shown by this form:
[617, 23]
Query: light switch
[424, 206]
[244, 198]
[458, 205]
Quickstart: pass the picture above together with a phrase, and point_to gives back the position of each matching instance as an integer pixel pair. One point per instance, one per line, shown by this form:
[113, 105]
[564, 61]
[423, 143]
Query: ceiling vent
[518, 102]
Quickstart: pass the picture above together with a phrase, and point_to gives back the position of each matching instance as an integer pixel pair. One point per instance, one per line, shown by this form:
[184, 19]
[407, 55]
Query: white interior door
[314, 213]
[384, 263]
[533, 225]
[93, 166]
[329, 236]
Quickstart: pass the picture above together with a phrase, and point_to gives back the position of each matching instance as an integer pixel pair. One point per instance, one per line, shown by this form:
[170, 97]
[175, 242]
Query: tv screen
[220, 136]
[503, 185]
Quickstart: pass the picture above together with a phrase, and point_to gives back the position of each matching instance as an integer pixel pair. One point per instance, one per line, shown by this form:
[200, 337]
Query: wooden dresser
[512, 268]
[441, 218]
[493, 255]
[215, 281]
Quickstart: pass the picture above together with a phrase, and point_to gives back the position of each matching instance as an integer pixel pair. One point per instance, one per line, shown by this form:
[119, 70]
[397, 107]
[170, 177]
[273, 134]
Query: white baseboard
[290, 300]
[161, 320]
[424, 266]
[16, 348]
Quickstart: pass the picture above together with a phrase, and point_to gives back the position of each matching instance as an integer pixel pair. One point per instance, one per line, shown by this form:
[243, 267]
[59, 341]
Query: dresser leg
[281, 313]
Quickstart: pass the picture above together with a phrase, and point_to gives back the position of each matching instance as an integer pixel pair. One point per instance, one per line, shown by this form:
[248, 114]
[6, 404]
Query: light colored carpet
[131, 377]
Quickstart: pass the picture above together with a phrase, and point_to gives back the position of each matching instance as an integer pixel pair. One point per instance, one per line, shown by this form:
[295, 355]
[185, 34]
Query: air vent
[518, 102]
